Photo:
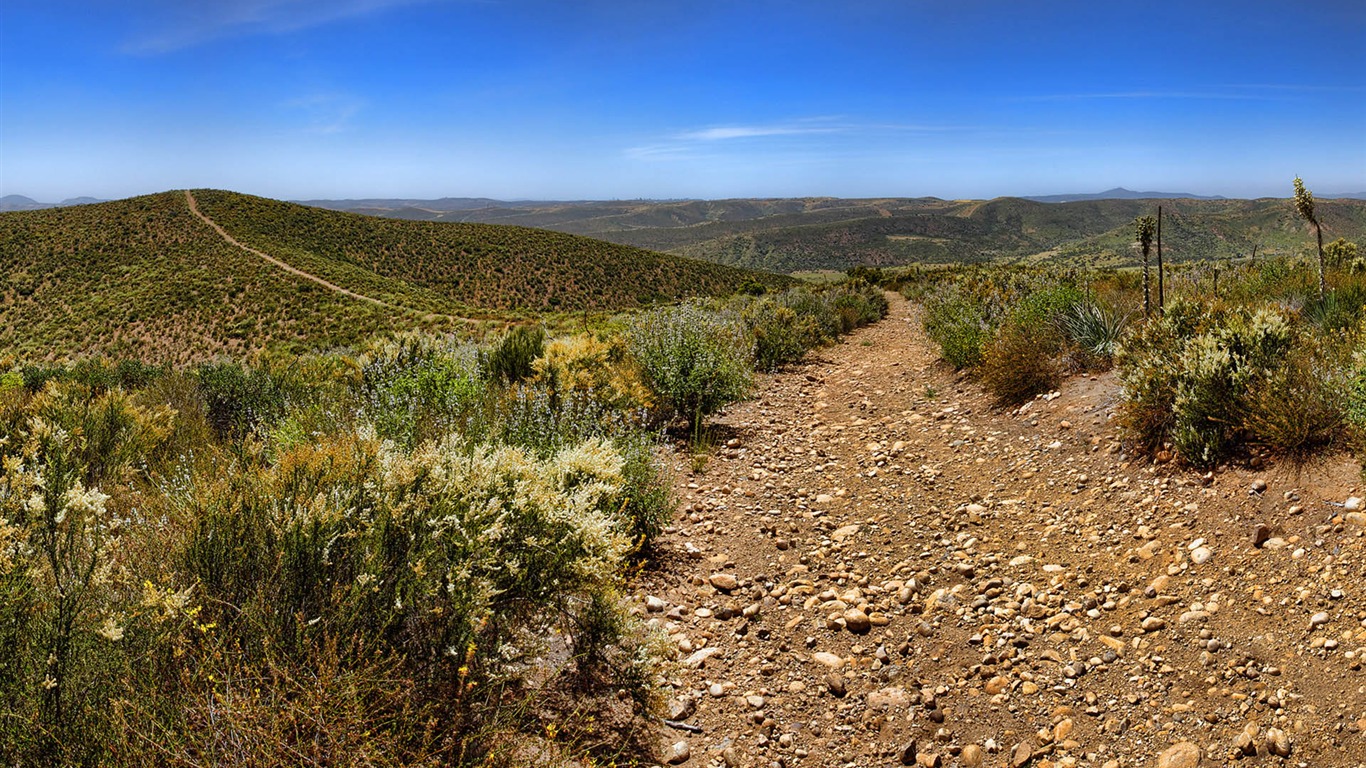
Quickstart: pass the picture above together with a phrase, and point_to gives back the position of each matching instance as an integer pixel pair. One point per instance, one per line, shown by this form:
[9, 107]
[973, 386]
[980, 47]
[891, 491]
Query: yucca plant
[1094, 329]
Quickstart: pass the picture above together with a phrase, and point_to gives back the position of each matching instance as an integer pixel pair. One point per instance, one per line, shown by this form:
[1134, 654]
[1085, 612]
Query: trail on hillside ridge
[878, 566]
[194, 208]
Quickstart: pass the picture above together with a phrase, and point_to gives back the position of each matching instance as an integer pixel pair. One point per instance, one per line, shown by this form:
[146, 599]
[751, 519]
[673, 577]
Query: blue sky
[603, 99]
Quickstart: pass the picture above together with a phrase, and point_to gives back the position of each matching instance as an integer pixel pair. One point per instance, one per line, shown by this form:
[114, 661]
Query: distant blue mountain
[21, 203]
[1120, 193]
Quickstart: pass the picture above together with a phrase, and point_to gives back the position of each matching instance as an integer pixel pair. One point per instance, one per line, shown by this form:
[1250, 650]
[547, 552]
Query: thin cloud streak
[749, 131]
[686, 144]
[196, 23]
[326, 113]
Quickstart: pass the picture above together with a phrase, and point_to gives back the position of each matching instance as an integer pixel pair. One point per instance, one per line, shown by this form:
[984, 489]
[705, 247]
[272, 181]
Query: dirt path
[194, 208]
[880, 568]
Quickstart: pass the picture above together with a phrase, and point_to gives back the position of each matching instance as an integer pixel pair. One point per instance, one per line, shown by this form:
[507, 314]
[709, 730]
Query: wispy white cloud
[688, 143]
[751, 131]
[192, 22]
[325, 113]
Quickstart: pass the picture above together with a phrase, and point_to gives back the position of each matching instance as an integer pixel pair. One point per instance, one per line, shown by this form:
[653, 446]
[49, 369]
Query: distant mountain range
[1120, 193]
[21, 203]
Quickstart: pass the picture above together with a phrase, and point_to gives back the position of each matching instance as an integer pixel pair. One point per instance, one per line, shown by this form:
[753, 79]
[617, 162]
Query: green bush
[239, 398]
[417, 390]
[508, 359]
[693, 361]
[781, 336]
[958, 324]
[1303, 405]
[1187, 376]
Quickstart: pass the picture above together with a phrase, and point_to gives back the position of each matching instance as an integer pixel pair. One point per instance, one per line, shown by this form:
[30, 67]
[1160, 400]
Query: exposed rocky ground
[878, 567]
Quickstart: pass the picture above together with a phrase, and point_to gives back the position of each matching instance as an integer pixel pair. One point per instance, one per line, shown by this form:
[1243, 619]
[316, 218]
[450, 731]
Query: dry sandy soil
[878, 567]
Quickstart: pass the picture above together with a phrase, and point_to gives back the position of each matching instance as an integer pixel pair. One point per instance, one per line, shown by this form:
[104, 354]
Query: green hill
[482, 265]
[146, 278]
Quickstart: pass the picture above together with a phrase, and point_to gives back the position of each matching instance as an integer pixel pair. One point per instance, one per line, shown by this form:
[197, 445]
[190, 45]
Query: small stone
[1029, 688]
[1277, 742]
[928, 760]
[1260, 534]
[828, 659]
[655, 605]
[835, 684]
[997, 685]
[699, 657]
[682, 708]
[724, 581]
[1354, 504]
[1153, 624]
[1246, 742]
[678, 753]
[1319, 619]
[1181, 755]
[1201, 555]
[856, 621]
[887, 698]
[909, 753]
[971, 756]
[731, 757]
[1021, 754]
[1258, 486]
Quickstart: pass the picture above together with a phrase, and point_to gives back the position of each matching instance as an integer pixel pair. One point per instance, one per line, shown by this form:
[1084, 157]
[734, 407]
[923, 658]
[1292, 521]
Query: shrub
[508, 359]
[238, 398]
[1303, 405]
[693, 361]
[1021, 362]
[1188, 375]
[588, 366]
[418, 389]
[472, 567]
[781, 336]
[958, 324]
[1023, 359]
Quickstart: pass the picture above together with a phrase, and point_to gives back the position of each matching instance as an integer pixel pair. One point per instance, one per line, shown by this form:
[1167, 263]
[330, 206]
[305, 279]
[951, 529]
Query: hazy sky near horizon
[604, 99]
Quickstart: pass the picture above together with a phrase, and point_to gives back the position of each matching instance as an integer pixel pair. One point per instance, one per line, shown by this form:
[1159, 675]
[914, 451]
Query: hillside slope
[789, 235]
[146, 278]
[488, 266]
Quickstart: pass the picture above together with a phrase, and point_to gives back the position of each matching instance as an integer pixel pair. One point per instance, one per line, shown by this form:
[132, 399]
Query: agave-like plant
[1094, 328]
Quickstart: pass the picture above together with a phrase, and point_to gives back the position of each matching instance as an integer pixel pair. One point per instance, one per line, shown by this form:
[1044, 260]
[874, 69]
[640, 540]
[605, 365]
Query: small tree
[1304, 206]
[1144, 229]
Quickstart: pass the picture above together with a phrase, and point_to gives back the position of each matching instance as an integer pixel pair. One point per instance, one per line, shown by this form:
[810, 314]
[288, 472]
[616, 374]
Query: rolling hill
[789, 235]
[147, 278]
